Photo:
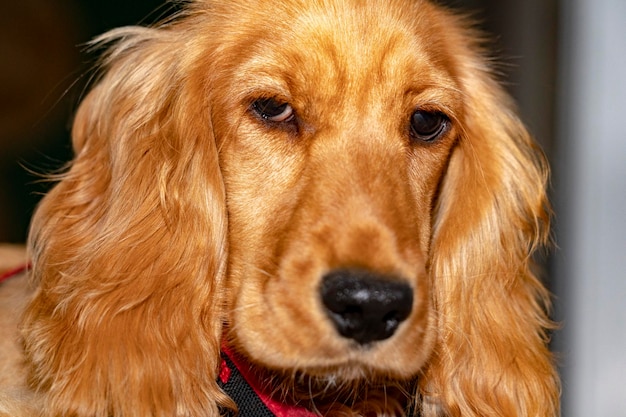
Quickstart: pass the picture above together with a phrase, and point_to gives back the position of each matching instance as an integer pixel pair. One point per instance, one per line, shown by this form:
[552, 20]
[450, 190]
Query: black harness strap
[237, 388]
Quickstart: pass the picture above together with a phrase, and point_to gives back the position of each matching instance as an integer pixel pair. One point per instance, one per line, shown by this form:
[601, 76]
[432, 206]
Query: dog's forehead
[357, 50]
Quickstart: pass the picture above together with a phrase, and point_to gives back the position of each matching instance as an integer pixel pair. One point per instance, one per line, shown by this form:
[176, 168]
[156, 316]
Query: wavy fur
[186, 219]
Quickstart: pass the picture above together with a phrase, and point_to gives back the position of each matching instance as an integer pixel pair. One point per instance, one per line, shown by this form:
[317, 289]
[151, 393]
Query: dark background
[44, 68]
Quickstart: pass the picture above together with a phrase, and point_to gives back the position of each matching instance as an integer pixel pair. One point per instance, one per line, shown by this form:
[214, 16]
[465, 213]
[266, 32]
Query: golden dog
[338, 190]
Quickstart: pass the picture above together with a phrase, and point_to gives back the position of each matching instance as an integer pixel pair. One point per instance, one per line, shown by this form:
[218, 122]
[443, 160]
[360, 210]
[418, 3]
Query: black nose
[365, 306]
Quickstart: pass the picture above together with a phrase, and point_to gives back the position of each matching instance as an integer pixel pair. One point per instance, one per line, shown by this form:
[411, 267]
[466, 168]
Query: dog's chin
[348, 383]
[356, 370]
[351, 373]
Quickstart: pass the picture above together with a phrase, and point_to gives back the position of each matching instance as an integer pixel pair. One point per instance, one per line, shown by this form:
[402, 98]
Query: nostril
[365, 306]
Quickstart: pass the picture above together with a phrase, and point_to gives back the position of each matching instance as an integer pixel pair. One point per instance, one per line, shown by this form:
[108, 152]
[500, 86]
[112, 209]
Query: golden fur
[188, 217]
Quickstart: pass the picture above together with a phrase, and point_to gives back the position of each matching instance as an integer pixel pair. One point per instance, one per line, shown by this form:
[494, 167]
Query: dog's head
[336, 127]
[341, 183]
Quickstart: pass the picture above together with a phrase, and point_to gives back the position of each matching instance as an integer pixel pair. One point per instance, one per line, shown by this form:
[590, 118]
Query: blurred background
[563, 60]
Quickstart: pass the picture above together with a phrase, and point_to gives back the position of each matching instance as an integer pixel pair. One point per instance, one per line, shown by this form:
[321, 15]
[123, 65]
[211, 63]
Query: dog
[339, 191]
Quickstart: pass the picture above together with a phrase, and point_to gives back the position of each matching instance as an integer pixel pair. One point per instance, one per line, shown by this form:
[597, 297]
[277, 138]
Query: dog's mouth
[329, 373]
[358, 326]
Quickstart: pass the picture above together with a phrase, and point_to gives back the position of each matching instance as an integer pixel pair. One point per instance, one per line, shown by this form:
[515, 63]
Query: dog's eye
[272, 110]
[428, 126]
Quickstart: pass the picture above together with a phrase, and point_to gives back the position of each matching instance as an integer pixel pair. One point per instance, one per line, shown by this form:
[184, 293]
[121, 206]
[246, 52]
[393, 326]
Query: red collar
[239, 380]
[13, 272]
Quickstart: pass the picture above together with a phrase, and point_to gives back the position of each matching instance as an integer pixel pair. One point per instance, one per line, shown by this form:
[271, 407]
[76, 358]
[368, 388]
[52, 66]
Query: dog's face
[342, 183]
[336, 129]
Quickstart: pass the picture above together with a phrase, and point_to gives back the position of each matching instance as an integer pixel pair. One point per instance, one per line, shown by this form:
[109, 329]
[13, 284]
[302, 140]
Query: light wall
[590, 185]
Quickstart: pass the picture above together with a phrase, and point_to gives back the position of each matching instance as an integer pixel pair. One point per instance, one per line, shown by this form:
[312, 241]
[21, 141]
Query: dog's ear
[129, 248]
[492, 213]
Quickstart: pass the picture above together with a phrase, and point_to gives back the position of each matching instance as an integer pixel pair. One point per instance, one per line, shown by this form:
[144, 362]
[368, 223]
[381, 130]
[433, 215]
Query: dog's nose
[365, 306]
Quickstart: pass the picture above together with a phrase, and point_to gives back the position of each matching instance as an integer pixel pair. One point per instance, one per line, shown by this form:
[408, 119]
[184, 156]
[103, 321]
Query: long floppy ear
[129, 248]
[492, 357]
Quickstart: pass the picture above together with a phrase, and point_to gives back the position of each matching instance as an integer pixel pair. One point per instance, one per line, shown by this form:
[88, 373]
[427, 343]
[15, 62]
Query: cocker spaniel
[338, 192]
